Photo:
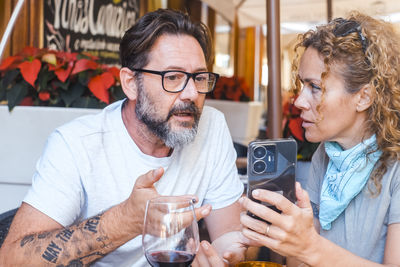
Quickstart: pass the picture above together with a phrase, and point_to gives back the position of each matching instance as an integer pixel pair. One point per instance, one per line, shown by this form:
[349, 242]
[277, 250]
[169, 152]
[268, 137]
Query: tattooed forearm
[51, 252]
[79, 244]
[92, 223]
[27, 239]
[65, 235]
[79, 263]
[44, 235]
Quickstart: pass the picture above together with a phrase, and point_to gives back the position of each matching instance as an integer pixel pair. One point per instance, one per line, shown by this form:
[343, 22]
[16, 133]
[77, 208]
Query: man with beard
[88, 196]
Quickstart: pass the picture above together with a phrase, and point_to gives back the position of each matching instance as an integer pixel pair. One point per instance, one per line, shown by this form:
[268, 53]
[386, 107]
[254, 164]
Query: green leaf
[62, 85]
[2, 91]
[9, 77]
[74, 92]
[86, 102]
[44, 77]
[81, 56]
[16, 94]
[83, 77]
[117, 93]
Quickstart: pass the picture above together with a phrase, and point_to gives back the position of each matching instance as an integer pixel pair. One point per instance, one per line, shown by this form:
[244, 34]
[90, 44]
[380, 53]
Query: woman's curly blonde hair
[367, 52]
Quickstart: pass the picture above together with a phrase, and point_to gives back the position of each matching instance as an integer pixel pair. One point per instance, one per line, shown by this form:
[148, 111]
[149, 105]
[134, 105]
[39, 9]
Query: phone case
[271, 165]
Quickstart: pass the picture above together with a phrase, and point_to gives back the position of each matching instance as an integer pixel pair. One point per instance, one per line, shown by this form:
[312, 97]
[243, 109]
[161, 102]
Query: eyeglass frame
[188, 76]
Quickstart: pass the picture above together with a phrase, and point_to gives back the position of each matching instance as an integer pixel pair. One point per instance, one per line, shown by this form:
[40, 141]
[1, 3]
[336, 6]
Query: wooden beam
[211, 20]
[274, 113]
[235, 42]
[329, 9]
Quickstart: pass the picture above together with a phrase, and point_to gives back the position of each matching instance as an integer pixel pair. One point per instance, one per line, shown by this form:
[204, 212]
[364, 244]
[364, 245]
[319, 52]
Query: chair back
[5, 222]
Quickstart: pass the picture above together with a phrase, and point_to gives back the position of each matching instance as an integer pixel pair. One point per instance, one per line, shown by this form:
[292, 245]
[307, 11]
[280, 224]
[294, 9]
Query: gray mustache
[184, 108]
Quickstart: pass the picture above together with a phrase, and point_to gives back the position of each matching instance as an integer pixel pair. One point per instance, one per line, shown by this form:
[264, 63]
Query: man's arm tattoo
[58, 248]
[51, 252]
[27, 239]
[92, 223]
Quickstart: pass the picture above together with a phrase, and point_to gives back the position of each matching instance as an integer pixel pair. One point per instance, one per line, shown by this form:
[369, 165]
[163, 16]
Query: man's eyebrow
[183, 69]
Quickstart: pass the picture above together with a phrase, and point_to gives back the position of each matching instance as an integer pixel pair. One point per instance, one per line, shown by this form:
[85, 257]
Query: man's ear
[128, 83]
[365, 98]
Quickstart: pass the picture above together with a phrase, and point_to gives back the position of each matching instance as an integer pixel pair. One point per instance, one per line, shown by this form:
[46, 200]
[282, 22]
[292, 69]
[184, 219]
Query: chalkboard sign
[95, 26]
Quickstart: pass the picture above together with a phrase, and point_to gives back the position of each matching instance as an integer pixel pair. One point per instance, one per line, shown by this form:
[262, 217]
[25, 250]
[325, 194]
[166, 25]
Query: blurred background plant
[43, 77]
[230, 88]
[292, 128]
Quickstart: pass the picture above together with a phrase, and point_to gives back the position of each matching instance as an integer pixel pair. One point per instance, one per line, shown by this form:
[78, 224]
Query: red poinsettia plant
[292, 128]
[46, 77]
[230, 88]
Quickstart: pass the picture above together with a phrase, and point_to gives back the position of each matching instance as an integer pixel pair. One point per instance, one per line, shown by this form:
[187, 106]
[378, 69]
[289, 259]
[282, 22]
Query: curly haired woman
[348, 79]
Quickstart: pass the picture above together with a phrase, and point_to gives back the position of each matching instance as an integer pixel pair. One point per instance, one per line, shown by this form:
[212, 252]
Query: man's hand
[143, 191]
[226, 250]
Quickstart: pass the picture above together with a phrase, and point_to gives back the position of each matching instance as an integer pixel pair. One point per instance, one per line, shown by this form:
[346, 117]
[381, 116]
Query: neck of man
[146, 140]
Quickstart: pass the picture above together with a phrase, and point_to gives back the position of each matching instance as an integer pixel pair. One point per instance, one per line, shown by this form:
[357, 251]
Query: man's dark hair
[140, 38]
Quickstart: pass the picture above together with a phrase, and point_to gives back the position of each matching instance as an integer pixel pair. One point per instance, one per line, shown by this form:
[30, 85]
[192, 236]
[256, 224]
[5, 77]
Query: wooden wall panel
[20, 34]
[5, 10]
[250, 60]
[28, 28]
[245, 57]
[36, 23]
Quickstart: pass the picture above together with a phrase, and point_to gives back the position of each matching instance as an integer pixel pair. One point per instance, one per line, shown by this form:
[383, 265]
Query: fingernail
[205, 246]
[241, 200]
[256, 193]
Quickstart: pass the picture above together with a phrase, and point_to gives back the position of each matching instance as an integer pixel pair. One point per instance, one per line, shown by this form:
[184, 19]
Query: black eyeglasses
[174, 81]
[345, 27]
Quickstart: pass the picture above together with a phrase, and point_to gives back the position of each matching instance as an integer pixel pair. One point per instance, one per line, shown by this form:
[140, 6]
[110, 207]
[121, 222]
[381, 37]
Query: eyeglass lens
[175, 81]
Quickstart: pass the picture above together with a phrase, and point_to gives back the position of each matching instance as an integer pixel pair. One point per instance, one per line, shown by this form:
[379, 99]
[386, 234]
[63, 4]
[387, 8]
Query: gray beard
[146, 112]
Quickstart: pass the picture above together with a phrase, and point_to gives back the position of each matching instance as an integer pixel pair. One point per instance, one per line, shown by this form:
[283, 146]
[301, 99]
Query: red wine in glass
[170, 232]
[169, 258]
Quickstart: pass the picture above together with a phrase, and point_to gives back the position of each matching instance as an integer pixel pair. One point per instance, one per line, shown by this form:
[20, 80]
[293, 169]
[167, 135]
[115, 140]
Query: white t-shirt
[91, 164]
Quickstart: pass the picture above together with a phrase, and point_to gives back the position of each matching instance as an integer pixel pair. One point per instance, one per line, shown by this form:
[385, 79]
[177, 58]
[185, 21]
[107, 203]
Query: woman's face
[337, 118]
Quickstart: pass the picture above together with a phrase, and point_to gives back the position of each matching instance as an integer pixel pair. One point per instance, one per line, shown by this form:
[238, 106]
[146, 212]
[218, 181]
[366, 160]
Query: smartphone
[271, 165]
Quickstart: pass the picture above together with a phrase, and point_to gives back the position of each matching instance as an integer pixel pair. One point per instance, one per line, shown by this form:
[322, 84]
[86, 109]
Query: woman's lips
[306, 123]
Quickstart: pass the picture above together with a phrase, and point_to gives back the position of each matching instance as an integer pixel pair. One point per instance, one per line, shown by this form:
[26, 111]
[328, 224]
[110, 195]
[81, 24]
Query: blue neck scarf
[347, 173]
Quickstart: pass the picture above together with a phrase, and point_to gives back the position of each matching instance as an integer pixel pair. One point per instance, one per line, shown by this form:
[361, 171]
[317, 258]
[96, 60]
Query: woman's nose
[301, 101]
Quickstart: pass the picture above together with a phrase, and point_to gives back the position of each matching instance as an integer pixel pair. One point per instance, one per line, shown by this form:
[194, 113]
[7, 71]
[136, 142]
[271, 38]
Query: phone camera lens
[260, 152]
[259, 166]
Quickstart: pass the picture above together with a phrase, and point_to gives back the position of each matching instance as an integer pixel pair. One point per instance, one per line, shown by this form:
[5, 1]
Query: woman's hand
[207, 256]
[290, 233]
[226, 250]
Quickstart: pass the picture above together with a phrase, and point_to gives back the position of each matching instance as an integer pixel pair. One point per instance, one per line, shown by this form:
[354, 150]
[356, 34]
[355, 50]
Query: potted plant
[47, 83]
[44, 77]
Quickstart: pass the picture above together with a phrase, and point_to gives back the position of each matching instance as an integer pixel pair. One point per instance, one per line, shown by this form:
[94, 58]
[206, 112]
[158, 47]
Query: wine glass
[170, 232]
